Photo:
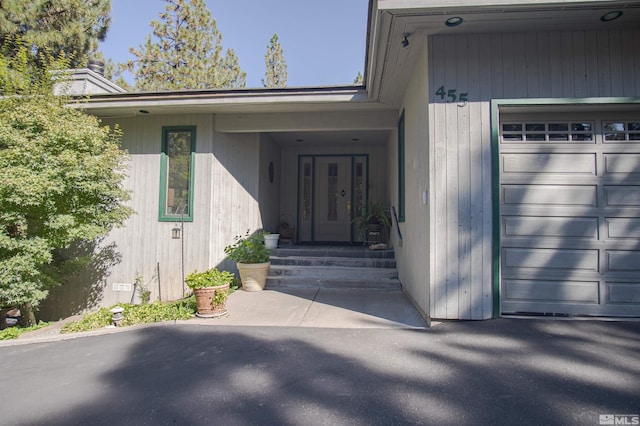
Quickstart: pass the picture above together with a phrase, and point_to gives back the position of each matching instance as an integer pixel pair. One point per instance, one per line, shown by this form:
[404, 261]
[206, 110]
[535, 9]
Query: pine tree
[65, 28]
[185, 52]
[276, 74]
[359, 80]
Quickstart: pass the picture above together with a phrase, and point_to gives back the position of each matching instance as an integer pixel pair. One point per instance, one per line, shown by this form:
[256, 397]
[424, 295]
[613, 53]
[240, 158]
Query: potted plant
[372, 217]
[211, 289]
[252, 258]
[271, 240]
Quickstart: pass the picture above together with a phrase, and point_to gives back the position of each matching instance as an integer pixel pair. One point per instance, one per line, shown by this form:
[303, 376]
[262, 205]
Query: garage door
[570, 215]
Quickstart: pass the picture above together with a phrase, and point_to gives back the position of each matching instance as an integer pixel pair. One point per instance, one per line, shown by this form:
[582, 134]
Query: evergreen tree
[359, 80]
[185, 52]
[68, 28]
[61, 174]
[276, 74]
[229, 71]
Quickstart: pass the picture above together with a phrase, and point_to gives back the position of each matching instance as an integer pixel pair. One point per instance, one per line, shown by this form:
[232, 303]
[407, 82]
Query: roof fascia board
[307, 121]
[393, 6]
[224, 99]
[381, 27]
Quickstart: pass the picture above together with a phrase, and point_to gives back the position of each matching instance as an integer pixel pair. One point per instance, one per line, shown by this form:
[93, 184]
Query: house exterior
[506, 136]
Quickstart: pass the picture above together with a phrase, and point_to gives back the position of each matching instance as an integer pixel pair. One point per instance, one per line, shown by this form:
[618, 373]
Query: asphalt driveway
[506, 371]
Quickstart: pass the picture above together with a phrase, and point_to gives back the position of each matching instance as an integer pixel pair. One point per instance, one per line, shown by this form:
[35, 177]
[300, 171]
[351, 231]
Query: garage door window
[621, 131]
[548, 132]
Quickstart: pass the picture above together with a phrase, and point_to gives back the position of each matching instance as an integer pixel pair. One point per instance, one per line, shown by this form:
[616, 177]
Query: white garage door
[570, 215]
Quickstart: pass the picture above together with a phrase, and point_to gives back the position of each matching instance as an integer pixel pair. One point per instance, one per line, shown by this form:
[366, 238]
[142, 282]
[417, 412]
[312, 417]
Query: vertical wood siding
[226, 186]
[145, 242]
[269, 191]
[573, 64]
[413, 255]
[234, 187]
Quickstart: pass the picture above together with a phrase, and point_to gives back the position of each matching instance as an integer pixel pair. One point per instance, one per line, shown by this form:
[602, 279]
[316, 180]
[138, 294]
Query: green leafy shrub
[13, 332]
[249, 249]
[156, 312]
[91, 321]
[135, 314]
[142, 290]
[62, 174]
[209, 278]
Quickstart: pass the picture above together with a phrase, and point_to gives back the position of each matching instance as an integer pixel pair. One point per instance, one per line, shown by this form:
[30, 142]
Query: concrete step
[296, 282]
[333, 273]
[336, 267]
[355, 262]
[332, 251]
[287, 281]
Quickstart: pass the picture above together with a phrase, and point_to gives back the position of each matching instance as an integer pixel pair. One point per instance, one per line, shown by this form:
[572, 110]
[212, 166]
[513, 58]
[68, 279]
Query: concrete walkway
[288, 307]
[322, 307]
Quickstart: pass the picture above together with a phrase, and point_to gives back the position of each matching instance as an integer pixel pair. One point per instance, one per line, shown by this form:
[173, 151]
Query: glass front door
[332, 189]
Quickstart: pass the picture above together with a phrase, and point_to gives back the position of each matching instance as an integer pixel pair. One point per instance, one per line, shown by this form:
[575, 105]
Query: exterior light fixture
[405, 41]
[175, 232]
[611, 16]
[454, 21]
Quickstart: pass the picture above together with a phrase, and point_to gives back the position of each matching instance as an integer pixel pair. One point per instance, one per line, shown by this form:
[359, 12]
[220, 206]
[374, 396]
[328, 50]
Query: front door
[330, 187]
[332, 206]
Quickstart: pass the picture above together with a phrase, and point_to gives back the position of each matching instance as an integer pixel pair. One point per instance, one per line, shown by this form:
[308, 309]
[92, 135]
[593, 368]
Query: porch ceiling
[331, 138]
[389, 63]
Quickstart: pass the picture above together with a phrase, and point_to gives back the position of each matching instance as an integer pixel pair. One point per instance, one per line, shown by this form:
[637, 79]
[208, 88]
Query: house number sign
[452, 96]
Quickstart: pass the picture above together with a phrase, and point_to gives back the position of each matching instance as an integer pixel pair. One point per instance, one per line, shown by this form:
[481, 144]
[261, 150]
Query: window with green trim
[176, 173]
[401, 169]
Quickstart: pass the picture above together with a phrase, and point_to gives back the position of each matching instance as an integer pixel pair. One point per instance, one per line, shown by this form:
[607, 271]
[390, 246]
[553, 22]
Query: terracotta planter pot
[253, 275]
[207, 307]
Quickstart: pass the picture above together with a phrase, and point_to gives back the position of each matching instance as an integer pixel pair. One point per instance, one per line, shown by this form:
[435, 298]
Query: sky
[323, 42]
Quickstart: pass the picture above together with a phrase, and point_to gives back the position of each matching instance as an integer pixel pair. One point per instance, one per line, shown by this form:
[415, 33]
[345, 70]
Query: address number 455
[452, 96]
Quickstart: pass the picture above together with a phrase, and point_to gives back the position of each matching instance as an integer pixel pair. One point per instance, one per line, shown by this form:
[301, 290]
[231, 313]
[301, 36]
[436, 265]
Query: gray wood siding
[413, 253]
[269, 191]
[234, 190]
[574, 64]
[146, 242]
[226, 193]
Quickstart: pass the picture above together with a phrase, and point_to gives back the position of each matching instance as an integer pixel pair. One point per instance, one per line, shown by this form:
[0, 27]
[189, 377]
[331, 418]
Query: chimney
[96, 66]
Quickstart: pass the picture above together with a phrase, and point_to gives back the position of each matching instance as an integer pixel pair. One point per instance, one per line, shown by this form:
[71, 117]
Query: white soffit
[390, 63]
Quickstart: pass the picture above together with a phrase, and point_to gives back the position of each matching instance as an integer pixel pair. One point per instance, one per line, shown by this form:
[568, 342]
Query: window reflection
[178, 170]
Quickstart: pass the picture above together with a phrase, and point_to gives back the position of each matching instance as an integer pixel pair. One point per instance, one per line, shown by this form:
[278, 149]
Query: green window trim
[401, 169]
[168, 211]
